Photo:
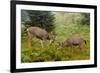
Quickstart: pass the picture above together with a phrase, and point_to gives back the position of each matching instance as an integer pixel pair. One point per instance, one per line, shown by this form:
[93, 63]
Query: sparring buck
[39, 33]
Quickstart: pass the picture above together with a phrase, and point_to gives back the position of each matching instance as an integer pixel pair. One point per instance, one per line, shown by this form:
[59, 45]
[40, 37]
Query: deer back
[38, 32]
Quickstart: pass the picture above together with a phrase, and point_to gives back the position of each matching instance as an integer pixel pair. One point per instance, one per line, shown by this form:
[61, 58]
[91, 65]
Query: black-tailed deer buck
[39, 33]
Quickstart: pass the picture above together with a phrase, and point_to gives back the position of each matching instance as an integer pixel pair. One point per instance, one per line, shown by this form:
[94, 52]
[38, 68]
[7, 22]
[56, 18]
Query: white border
[20, 65]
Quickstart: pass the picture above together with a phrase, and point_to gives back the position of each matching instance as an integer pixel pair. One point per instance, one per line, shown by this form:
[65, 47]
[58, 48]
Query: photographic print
[49, 36]
[54, 36]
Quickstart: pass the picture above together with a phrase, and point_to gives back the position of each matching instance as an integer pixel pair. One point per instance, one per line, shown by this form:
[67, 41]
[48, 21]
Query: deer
[73, 41]
[39, 33]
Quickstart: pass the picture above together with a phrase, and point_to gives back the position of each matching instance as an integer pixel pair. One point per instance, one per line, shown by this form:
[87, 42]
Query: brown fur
[37, 32]
[74, 41]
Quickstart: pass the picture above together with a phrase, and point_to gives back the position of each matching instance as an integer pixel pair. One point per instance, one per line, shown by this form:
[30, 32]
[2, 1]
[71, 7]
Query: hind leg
[82, 46]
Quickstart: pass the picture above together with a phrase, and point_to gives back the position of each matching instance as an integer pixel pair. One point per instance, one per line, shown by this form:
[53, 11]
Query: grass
[52, 53]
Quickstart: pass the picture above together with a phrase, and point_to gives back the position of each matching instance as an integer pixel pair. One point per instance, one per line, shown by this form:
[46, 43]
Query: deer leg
[50, 42]
[29, 40]
[82, 46]
[42, 43]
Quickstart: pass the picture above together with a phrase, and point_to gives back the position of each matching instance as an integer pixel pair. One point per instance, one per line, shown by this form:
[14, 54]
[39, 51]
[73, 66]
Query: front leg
[41, 41]
[30, 39]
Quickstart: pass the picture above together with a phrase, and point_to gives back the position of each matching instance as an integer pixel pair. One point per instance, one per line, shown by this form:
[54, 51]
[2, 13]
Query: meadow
[64, 29]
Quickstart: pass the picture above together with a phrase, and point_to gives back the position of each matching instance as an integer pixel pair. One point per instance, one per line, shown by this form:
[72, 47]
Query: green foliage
[72, 18]
[24, 16]
[84, 19]
[43, 19]
[23, 31]
[53, 52]
[66, 25]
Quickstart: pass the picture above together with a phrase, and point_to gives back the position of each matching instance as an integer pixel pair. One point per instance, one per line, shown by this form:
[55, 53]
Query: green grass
[52, 52]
